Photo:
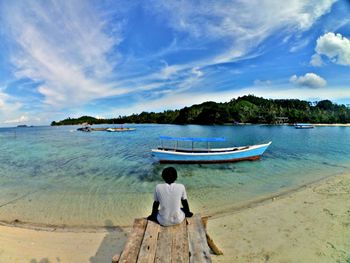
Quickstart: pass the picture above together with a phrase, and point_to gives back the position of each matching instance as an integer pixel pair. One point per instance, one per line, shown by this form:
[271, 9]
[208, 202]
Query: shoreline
[333, 124]
[240, 231]
[223, 124]
[261, 200]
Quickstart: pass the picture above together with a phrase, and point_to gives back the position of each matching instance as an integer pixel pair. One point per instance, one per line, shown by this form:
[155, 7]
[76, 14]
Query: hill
[245, 109]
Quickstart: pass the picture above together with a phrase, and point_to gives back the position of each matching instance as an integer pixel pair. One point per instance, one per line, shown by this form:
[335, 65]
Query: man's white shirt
[169, 196]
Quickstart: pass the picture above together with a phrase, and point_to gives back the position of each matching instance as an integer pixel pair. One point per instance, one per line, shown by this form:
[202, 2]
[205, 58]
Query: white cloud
[64, 48]
[309, 80]
[180, 77]
[8, 104]
[299, 45]
[259, 82]
[167, 71]
[21, 119]
[244, 24]
[316, 60]
[196, 71]
[10, 109]
[335, 47]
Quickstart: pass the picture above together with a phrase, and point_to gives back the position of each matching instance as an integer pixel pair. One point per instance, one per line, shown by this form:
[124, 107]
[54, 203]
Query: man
[170, 196]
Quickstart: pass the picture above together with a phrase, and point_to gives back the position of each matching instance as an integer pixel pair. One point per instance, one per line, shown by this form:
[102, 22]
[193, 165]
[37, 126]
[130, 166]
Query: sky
[106, 58]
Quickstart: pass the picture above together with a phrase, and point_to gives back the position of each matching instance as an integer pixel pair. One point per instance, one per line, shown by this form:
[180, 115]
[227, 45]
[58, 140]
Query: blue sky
[110, 58]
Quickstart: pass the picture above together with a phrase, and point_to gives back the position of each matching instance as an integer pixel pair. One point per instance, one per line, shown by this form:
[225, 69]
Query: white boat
[119, 129]
[207, 155]
[304, 126]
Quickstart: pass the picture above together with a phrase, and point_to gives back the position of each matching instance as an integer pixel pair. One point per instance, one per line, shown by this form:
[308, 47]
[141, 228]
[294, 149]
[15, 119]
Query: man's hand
[186, 208]
[152, 218]
[189, 214]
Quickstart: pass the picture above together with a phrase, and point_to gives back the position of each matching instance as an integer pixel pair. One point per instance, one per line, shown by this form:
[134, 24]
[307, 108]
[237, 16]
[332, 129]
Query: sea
[58, 176]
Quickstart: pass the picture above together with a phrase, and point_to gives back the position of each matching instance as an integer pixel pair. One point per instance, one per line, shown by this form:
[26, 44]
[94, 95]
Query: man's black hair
[169, 175]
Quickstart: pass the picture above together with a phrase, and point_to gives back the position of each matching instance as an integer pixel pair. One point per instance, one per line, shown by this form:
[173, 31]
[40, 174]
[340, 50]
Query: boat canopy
[192, 139]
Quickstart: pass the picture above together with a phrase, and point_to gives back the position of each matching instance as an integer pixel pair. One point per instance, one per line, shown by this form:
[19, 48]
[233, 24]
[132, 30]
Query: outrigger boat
[206, 155]
[119, 129]
[304, 126]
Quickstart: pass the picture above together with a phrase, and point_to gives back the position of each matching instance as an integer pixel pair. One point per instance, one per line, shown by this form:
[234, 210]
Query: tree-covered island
[245, 109]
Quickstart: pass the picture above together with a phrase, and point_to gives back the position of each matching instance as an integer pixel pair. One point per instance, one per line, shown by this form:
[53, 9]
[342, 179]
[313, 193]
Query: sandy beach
[308, 225]
[333, 124]
[311, 224]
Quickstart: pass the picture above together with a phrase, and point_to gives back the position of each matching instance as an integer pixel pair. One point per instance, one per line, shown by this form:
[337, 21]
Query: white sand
[310, 225]
[33, 246]
[333, 124]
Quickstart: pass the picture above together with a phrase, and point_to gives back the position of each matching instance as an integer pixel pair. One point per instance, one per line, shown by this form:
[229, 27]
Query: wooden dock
[151, 243]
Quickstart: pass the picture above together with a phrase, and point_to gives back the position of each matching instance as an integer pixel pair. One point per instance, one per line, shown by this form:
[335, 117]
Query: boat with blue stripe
[206, 155]
[304, 126]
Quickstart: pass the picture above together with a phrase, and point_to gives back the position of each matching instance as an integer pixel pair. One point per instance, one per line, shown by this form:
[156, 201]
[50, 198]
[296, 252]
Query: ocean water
[60, 176]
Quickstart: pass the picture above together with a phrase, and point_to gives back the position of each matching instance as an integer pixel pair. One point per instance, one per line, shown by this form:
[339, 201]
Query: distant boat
[206, 155]
[85, 129]
[120, 129]
[304, 126]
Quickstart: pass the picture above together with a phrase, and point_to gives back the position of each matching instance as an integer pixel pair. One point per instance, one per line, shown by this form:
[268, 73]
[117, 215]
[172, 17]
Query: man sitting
[170, 196]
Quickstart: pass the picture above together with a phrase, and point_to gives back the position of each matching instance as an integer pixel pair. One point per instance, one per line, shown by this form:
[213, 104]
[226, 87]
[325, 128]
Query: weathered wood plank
[180, 250]
[198, 247]
[132, 247]
[149, 244]
[164, 243]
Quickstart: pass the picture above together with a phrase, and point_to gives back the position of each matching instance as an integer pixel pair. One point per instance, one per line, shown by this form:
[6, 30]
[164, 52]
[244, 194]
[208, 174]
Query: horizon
[312, 104]
[109, 58]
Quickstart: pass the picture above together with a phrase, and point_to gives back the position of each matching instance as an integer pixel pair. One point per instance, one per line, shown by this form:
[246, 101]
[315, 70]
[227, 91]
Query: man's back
[169, 196]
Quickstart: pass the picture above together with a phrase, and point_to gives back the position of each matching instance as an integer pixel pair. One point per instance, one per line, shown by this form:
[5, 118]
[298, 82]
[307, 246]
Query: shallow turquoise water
[59, 176]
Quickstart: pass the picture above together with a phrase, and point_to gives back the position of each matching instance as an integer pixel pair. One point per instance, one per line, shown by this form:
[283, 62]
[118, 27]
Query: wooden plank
[132, 247]
[149, 244]
[198, 247]
[180, 251]
[164, 243]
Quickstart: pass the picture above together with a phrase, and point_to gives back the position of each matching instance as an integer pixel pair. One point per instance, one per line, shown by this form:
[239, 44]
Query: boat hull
[251, 153]
[252, 158]
[303, 126]
[120, 129]
[309, 127]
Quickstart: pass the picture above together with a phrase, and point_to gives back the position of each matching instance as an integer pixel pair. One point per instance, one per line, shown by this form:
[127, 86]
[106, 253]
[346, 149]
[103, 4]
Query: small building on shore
[281, 120]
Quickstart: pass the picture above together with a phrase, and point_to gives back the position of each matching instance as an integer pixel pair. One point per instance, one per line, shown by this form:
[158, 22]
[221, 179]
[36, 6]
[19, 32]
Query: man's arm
[153, 216]
[186, 208]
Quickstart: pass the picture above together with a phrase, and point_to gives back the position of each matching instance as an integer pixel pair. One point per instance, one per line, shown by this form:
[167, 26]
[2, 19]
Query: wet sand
[311, 224]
